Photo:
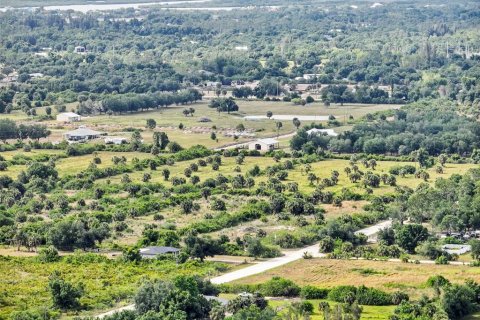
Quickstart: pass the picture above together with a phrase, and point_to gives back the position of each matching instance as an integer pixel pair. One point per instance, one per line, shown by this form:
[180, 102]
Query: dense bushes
[311, 292]
[280, 287]
[364, 295]
[434, 126]
[225, 220]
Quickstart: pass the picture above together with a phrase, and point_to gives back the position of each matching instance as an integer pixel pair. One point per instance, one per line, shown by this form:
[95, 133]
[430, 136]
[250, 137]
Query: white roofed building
[328, 132]
[264, 145]
[68, 117]
[116, 140]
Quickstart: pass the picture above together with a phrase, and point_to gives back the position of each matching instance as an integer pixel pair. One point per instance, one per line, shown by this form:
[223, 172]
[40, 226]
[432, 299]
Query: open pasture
[196, 132]
[384, 275]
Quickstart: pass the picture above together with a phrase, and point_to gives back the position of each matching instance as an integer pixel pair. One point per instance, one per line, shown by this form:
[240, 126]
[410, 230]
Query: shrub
[373, 297]
[280, 287]
[3, 165]
[340, 293]
[305, 307]
[398, 297]
[218, 205]
[441, 260]
[64, 294]
[49, 254]
[311, 292]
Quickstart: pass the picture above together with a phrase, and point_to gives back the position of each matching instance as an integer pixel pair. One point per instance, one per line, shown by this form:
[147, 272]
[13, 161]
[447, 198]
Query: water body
[106, 7]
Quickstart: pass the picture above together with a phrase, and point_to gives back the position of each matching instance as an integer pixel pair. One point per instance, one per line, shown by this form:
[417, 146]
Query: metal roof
[267, 141]
[329, 132]
[158, 250]
[83, 132]
[68, 114]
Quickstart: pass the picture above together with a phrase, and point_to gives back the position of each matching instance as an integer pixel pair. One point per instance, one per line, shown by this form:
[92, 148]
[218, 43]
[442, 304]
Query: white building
[153, 252]
[264, 145]
[80, 50]
[328, 132]
[311, 76]
[457, 248]
[82, 134]
[116, 140]
[68, 117]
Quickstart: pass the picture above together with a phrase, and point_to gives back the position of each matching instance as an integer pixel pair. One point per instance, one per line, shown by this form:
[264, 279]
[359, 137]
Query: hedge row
[279, 287]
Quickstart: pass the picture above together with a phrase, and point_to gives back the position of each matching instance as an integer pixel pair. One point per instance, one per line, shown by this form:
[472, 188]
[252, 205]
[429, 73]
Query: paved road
[260, 267]
[289, 256]
[371, 232]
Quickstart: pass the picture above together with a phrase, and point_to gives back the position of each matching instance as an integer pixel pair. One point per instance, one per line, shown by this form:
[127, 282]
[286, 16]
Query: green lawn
[369, 312]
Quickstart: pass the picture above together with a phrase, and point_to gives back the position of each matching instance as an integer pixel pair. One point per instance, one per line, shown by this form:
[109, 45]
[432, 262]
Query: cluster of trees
[452, 301]
[10, 131]
[434, 126]
[224, 105]
[6, 100]
[363, 94]
[123, 63]
[137, 102]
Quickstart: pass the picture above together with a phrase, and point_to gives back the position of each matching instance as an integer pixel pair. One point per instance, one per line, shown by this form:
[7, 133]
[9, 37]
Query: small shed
[68, 117]
[153, 252]
[264, 145]
[80, 50]
[82, 134]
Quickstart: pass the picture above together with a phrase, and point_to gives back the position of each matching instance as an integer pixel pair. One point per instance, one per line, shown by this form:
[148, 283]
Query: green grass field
[24, 281]
[195, 132]
[368, 312]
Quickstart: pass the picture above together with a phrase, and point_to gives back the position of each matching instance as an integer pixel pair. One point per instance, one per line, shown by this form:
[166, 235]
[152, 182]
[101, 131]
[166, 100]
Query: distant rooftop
[268, 141]
[83, 131]
[153, 251]
[69, 114]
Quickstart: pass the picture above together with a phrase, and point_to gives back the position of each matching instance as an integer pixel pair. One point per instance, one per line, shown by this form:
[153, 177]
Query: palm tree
[296, 123]
[279, 125]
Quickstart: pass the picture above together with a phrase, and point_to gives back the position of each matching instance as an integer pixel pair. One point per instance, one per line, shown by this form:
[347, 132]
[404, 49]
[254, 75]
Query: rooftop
[158, 250]
[83, 131]
[329, 132]
[68, 114]
[267, 141]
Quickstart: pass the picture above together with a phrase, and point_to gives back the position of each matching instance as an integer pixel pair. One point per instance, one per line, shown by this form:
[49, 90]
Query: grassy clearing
[369, 312]
[24, 281]
[270, 225]
[71, 165]
[322, 169]
[384, 275]
[195, 132]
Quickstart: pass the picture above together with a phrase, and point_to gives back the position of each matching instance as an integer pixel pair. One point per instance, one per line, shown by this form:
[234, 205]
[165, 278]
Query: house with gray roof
[153, 252]
[82, 134]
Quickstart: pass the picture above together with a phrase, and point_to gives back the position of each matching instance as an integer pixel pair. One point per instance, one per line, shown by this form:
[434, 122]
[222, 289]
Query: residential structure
[80, 50]
[116, 140]
[328, 132]
[82, 134]
[153, 252]
[68, 117]
[264, 145]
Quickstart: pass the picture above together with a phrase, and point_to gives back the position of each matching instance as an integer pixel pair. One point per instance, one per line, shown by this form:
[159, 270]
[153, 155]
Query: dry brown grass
[384, 275]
